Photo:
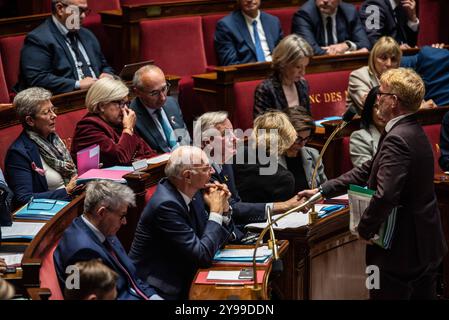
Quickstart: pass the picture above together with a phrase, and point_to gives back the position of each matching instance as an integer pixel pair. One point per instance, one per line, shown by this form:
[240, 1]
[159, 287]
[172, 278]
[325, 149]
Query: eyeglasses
[156, 93]
[203, 168]
[302, 140]
[81, 10]
[380, 94]
[121, 103]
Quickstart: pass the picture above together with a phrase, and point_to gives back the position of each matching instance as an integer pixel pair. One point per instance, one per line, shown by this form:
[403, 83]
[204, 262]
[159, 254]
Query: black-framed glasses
[81, 10]
[164, 90]
[380, 94]
[121, 103]
[302, 140]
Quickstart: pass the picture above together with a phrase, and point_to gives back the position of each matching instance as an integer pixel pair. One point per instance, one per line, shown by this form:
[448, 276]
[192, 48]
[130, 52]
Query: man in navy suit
[176, 235]
[247, 35]
[159, 119]
[60, 55]
[93, 236]
[216, 134]
[330, 27]
[394, 18]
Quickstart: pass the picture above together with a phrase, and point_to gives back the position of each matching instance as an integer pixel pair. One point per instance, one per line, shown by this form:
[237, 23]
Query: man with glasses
[159, 119]
[60, 55]
[401, 174]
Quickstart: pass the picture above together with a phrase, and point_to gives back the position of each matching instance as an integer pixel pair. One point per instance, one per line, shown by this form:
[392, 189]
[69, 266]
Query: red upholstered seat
[149, 193]
[10, 48]
[66, 123]
[7, 137]
[4, 95]
[328, 93]
[346, 163]
[209, 23]
[286, 17]
[244, 103]
[130, 2]
[433, 134]
[175, 44]
[48, 276]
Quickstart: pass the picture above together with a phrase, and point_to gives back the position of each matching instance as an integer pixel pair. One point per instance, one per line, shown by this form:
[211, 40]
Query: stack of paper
[104, 174]
[159, 159]
[21, 231]
[40, 209]
[243, 255]
[12, 259]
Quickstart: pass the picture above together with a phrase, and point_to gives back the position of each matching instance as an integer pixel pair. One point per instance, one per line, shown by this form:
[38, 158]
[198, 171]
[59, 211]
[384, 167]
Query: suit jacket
[363, 145]
[361, 81]
[444, 143]
[171, 243]
[309, 160]
[270, 95]
[401, 173]
[388, 25]
[116, 148]
[46, 61]
[242, 212]
[307, 22]
[147, 128]
[432, 65]
[79, 243]
[233, 42]
[21, 175]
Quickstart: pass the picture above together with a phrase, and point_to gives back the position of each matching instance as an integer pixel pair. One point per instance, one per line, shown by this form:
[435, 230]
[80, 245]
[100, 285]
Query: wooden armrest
[38, 293]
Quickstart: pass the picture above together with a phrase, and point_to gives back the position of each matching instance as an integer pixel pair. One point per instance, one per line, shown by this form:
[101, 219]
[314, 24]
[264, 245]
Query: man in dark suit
[330, 27]
[93, 236]
[394, 18]
[176, 235]
[247, 35]
[159, 119]
[401, 173]
[216, 134]
[60, 55]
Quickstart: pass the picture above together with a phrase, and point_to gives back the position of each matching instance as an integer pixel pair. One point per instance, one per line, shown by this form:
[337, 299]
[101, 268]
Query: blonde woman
[110, 124]
[287, 86]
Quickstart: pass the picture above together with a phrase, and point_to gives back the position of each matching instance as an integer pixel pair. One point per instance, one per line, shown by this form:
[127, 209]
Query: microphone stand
[272, 244]
[318, 196]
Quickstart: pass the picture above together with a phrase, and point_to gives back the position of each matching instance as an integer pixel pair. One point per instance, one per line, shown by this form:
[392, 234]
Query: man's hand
[404, 46]
[86, 83]
[129, 120]
[339, 48]
[224, 188]
[429, 104]
[410, 9]
[215, 199]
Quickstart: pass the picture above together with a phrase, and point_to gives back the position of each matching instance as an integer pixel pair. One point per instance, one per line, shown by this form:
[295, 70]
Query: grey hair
[108, 194]
[137, 79]
[105, 90]
[209, 120]
[183, 158]
[27, 102]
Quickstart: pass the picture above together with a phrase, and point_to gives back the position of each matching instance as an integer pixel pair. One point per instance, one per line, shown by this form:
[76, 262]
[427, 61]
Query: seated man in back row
[60, 55]
[330, 27]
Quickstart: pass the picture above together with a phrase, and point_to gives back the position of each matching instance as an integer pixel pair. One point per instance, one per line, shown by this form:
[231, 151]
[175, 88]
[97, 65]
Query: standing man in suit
[159, 117]
[93, 236]
[247, 35]
[394, 18]
[215, 132]
[176, 235]
[60, 55]
[330, 27]
[401, 173]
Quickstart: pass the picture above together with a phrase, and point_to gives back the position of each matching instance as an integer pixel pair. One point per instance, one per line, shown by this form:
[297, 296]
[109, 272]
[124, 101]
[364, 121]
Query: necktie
[194, 216]
[80, 61]
[401, 35]
[330, 37]
[166, 127]
[130, 279]
[259, 51]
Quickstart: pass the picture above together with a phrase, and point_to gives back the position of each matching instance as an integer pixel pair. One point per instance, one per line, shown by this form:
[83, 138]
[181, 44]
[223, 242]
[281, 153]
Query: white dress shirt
[261, 32]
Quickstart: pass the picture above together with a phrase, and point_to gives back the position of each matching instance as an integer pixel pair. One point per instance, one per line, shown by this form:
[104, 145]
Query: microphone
[272, 244]
[348, 115]
[316, 197]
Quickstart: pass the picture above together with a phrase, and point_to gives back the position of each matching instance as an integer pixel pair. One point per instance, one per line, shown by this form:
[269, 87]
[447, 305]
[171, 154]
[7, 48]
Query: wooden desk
[235, 292]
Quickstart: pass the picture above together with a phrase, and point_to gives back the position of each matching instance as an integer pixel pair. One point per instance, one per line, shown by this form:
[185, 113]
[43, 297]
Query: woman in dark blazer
[38, 164]
[110, 124]
[287, 86]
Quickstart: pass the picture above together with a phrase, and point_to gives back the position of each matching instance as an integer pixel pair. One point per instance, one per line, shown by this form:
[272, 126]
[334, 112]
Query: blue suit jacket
[170, 244]
[79, 243]
[242, 212]
[46, 61]
[387, 23]
[307, 22]
[432, 65]
[147, 129]
[233, 42]
[24, 181]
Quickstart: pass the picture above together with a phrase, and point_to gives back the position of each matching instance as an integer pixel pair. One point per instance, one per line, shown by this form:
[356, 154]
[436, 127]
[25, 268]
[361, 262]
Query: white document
[241, 253]
[12, 259]
[21, 230]
[358, 202]
[159, 159]
[223, 275]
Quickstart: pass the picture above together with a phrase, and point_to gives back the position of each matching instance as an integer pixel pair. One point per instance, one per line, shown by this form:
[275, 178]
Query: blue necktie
[166, 127]
[259, 51]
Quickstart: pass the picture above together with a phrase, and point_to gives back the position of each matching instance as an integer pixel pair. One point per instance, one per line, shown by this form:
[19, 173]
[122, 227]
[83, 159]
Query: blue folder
[40, 209]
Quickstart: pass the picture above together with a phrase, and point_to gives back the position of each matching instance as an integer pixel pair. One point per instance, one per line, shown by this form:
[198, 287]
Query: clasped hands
[216, 196]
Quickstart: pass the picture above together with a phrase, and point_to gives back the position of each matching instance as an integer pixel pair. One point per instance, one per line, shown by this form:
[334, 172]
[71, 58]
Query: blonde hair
[285, 135]
[407, 85]
[289, 51]
[104, 91]
[385, 45]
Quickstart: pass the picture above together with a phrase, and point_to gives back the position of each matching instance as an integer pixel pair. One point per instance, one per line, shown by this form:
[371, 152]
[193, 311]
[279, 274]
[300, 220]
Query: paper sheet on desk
[159, 159]
[239, 253]
[12, 259]
[25, 230]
